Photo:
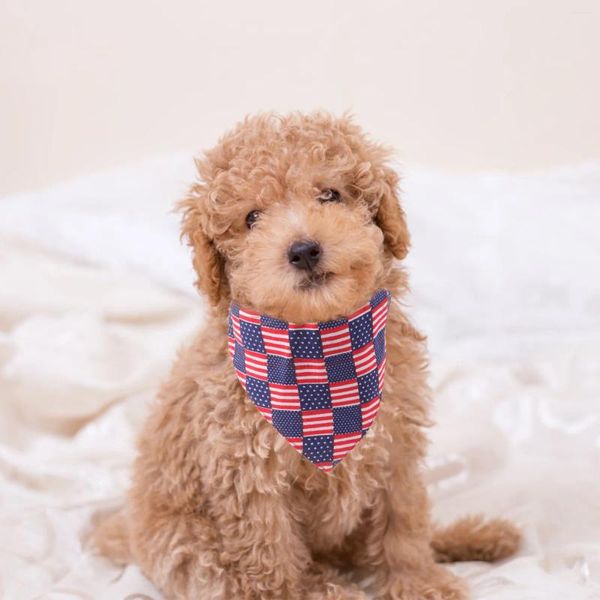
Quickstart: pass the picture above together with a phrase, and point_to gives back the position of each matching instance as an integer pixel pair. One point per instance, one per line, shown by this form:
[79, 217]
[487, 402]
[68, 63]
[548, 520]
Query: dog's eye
[251, 218]
[329, 195]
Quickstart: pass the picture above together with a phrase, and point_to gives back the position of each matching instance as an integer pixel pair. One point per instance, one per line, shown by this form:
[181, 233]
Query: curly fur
[221, 507]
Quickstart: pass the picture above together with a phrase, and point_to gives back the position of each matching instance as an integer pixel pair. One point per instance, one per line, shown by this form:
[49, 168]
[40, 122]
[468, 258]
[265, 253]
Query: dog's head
[296, 217]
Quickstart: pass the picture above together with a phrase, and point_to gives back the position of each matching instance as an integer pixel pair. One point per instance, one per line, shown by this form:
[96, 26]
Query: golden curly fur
[221, 507]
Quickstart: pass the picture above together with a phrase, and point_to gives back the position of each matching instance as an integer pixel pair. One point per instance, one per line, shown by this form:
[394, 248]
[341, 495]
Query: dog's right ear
[390, 217]
[207, 261]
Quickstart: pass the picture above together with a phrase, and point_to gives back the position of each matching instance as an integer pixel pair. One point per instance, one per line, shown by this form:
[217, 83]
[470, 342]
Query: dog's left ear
[390, 217]
[208, 263]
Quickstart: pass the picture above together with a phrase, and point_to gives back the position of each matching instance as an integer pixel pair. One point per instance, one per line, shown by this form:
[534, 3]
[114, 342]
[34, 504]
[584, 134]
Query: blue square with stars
[251, 336]
[331, 324]
[346, 419]
[305, 343]
[361, 331]
[368, 386]
[314, 396]
[379, 343]
[378, 297]
[318, 448]
[288, 422]
[258, 391]
[274, 323]
[238, 358]
[281, 369]
[340, 367]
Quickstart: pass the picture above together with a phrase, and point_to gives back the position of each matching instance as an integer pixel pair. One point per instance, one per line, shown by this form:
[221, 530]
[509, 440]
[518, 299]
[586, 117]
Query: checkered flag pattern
[318, 384]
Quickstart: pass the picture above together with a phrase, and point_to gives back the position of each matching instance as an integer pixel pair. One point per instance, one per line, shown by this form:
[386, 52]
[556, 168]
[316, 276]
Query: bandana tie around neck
[318, 384]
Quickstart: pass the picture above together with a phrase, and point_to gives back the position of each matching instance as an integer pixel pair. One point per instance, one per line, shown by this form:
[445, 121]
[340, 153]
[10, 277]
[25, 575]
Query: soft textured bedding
[96, 297]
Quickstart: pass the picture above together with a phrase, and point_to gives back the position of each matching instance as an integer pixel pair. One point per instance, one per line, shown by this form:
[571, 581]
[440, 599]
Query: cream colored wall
[455, 84]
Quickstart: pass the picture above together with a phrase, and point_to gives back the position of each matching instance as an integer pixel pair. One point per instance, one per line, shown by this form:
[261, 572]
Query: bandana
[318, 384]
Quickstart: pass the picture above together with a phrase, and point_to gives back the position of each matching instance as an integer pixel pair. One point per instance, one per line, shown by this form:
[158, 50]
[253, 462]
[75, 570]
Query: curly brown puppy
[221, 506]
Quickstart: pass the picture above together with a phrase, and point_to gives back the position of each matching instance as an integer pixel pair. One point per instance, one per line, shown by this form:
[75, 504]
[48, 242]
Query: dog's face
[295, 217]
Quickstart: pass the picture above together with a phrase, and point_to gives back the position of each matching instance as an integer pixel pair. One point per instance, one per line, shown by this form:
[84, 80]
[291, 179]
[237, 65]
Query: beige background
[458, 85]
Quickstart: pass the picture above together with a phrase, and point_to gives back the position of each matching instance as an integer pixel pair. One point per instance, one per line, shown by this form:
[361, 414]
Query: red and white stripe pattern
[324, 466]
[250, 316]
[231, 346]
[336, 340]
[284, 397]
[310, 370]
[317, 422]
[379, 316]
[304, 326]
[276, 341]
[364, 359]
[281, 381]
[297, 443]
[360, 312]
[368, 412]
[343, 443]
[344, 393]
[235, 325]
[256, 364]
[241, 377]
[266, 413]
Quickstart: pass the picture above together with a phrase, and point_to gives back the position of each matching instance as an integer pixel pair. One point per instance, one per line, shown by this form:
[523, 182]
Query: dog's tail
[110, 537]
[474, 538]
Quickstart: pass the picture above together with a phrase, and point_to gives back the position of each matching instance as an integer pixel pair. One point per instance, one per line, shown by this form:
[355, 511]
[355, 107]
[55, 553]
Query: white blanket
[96, 296]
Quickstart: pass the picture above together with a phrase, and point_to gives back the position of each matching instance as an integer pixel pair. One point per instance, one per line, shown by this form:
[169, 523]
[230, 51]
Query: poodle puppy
[221, 506]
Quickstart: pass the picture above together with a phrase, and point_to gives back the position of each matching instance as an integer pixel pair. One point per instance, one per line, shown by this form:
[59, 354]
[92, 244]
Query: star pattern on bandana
[318, 384]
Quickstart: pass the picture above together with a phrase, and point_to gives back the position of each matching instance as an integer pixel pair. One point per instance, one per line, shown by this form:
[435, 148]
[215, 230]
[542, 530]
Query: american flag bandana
[318, 384]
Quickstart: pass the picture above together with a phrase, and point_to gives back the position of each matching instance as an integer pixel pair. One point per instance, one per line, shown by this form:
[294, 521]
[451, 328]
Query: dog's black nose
[304, 254]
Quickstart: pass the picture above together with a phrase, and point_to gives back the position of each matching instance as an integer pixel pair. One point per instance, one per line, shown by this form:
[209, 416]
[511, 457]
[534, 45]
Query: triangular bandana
[318, 384]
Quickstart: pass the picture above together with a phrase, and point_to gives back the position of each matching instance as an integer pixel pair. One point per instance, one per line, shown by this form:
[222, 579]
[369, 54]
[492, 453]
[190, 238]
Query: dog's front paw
[334, 591]
[438, 584]
[326, 583]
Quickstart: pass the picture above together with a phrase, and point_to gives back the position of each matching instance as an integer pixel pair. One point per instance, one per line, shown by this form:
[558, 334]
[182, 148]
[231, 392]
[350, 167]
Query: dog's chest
[328, 513]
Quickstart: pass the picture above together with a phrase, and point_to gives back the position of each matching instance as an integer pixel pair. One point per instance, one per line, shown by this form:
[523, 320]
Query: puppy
[221, 506]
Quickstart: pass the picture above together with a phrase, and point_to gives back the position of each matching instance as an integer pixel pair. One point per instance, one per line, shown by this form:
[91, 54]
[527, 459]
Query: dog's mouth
[314, 280]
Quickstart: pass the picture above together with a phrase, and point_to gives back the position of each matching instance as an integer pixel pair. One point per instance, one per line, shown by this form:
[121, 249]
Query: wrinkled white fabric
[96, 297]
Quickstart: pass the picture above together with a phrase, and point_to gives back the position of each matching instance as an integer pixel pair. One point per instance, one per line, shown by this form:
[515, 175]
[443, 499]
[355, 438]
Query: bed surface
[96, 297]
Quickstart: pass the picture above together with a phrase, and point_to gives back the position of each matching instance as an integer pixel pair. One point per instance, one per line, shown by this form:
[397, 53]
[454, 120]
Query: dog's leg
[394, 543]
[267, 554]
[256, 555]
[329, 584]
[179, 552]
[253, 553]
